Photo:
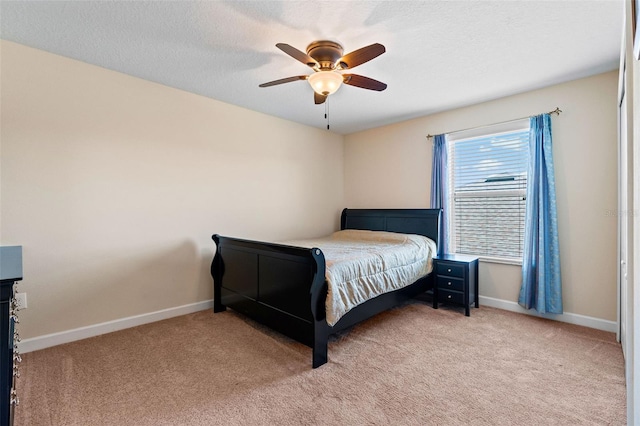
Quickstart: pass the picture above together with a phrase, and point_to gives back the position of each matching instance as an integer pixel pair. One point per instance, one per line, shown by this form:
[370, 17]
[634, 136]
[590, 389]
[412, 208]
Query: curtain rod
[555, 111]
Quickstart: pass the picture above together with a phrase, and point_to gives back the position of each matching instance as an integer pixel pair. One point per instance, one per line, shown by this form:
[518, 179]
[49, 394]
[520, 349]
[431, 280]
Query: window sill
[501, 260]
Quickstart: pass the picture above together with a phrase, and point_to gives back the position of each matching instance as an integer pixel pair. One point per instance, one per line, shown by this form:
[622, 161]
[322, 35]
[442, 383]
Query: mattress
[361, 265]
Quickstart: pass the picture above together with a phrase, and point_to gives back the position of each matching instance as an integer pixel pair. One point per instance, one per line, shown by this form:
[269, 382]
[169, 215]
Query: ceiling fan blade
[283, 80]
[360, 56]
[318, 98]
[297, 54]
[364, 82]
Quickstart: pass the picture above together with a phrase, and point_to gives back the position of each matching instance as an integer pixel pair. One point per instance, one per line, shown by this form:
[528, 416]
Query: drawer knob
[449, 270]
[449, 297]
[449, 283]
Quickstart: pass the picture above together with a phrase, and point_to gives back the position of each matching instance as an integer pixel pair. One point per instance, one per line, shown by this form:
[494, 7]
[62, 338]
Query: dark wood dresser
[10, 273]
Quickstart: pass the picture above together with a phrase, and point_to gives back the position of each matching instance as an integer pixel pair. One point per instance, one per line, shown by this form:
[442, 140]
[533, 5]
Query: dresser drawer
[450, 283]
[450, 296]
[450, 269]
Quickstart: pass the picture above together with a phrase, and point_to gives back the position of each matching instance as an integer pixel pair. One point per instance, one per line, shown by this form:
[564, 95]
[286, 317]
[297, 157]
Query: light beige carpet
[411, 365]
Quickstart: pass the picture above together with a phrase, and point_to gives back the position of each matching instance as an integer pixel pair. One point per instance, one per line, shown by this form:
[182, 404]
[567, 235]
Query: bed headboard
[406, 221]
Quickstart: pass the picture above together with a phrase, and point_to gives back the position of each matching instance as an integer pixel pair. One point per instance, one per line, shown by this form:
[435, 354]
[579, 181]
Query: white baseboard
[54, 339]
[567, 317]
[48, 340]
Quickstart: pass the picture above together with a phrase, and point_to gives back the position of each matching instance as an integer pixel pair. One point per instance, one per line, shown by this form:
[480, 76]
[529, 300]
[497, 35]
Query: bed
[285, 287]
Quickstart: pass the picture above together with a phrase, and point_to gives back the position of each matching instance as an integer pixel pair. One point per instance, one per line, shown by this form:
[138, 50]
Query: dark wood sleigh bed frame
[284, 287]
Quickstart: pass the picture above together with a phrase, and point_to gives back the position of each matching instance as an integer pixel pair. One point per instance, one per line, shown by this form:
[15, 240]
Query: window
[487, 190]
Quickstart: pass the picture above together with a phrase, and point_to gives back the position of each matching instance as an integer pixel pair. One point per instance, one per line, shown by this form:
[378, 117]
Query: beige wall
[391, 167]
[114, 186]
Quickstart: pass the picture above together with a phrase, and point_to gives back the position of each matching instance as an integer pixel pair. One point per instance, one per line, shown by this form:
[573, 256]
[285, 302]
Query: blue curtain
[440, 188]
[541, 284]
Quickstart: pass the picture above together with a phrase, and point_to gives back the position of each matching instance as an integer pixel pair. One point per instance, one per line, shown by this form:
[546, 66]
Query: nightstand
[456, 280]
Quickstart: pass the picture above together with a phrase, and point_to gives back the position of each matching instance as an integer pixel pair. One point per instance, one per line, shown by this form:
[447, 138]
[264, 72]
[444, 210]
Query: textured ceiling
[440, 54]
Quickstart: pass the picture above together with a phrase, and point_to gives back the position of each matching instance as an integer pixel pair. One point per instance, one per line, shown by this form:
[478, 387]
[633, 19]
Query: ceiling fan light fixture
[325, 82]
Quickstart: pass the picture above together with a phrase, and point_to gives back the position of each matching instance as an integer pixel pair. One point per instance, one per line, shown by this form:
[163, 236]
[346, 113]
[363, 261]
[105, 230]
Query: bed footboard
[277, 285]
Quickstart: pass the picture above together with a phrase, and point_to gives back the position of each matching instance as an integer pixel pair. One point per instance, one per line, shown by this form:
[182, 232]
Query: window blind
[487, 184]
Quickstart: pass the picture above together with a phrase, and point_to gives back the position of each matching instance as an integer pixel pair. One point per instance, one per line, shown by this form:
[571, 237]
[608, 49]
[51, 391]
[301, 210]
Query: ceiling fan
[326, 58]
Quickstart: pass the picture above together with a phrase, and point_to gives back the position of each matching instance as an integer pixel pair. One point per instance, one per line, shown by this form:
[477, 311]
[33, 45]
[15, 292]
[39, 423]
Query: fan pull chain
[326, 111]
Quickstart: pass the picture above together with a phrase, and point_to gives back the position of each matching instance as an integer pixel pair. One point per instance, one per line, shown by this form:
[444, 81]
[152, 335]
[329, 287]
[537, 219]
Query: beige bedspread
[364, 264]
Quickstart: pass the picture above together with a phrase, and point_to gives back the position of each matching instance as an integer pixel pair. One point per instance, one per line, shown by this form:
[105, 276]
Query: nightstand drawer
[450, 269]
[449, 283]
[450, 296]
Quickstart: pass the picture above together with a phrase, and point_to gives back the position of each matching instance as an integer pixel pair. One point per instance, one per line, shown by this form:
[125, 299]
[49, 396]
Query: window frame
[467, 135]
